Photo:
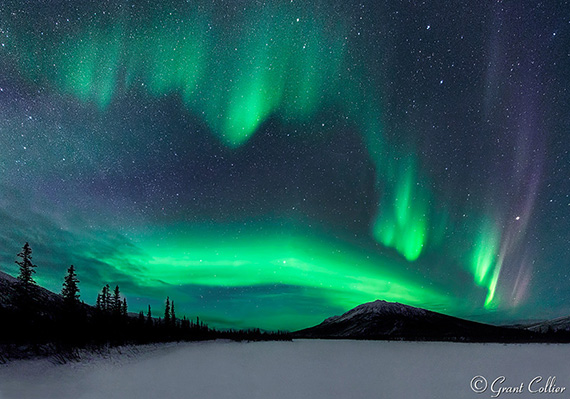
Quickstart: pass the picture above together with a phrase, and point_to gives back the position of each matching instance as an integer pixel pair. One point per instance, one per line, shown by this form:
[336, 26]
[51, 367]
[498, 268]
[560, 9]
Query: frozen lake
[300, 369]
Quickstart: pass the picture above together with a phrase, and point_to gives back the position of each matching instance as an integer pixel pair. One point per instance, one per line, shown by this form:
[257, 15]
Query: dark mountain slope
[387, 320]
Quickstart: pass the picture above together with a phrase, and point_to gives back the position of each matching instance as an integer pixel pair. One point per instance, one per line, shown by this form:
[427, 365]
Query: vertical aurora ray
[283, 63]
[257, 88]
[402, 218]
[91, 72]
[485, 262]
[401, 221]
[490, 301]
[178, 59]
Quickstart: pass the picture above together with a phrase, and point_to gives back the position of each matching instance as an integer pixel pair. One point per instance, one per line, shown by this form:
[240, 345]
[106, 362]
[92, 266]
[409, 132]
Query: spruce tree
[167, 312]
[99, 303]
[70, 290]
[149, 316]
[24, 298]
[116, 301]
[26, 268]
[106, 298]
[172, 314]
[124, 311]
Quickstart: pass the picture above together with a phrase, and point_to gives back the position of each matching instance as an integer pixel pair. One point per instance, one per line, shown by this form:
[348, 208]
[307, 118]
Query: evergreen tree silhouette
[172, 314]
[99, 303]
[70, 290]
[73, 317]
[116, 302]
[106, 298]
[24, 296]
[26, 267]
[124, 311]
[149, 316]
[167, 312]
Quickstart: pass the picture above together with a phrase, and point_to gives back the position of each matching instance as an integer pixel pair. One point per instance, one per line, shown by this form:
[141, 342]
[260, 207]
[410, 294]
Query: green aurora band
[326, 269]
[272, 258]
[281, 61]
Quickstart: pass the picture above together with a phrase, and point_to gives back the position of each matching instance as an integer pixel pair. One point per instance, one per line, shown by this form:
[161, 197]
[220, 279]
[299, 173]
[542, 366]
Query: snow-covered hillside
[559, 324]
[380, 307]
[301, 369]
[46, 300]
[7, 288]
[390, 320]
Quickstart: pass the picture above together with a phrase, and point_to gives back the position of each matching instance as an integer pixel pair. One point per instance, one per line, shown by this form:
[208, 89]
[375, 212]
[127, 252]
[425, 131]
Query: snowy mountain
[7, 289]
[388, 320]
[561, 324]
[47, 302]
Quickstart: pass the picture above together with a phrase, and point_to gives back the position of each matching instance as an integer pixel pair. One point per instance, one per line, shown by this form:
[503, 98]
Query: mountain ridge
[392, 320]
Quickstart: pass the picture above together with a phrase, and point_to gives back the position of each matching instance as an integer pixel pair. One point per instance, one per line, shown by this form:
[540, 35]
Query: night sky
[271, 164]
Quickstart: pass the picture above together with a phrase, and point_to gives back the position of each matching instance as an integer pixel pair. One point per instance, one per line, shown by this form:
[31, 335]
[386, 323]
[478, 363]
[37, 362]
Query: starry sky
[270, 164]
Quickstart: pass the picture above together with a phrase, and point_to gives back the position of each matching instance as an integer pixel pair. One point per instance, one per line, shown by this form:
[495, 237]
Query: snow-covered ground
[300, 369]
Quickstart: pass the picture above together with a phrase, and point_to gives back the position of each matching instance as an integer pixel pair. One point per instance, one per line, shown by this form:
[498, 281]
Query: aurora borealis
[271, 164]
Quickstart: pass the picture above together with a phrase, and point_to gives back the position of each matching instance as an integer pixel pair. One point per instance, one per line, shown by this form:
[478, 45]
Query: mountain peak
[381, 307]
[391, 320]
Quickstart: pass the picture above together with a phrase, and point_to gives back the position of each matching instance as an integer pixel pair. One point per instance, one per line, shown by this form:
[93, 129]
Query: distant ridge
[395, 321]
[560, 324]
[46, 300]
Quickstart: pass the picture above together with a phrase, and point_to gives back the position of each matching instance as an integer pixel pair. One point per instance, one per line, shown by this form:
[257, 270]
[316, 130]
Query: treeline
[32, 315]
